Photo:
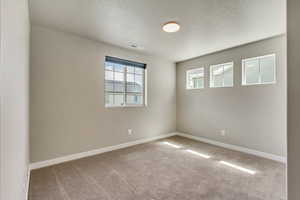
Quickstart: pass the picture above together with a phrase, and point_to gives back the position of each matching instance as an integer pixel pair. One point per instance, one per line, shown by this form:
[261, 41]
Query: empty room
[149, 100]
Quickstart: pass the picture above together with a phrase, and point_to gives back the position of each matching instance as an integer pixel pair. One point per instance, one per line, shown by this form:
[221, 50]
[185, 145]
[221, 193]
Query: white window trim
[244, 81]
[211, 75]
[187, 81]
[125, 78]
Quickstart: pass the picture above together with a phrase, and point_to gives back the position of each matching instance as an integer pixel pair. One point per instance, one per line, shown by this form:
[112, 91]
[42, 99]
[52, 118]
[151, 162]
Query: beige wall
[67, 97]
[253, 116]
[14, 68]
[293, 52]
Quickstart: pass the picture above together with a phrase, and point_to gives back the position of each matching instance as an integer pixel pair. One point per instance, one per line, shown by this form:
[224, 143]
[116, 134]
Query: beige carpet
[171, 169]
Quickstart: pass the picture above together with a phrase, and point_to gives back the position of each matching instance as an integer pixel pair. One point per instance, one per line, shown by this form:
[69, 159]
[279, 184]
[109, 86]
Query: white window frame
[211, 75]
[244, 80]
[144, 104]
[187, 78]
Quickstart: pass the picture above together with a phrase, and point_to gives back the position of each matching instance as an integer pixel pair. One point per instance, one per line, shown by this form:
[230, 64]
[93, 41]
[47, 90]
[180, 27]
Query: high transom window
[195, 78]
[221, 75]
[259, 70]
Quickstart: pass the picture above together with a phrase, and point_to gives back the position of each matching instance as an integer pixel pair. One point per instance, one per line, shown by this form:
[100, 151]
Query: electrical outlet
[223, 132]
[129, 131]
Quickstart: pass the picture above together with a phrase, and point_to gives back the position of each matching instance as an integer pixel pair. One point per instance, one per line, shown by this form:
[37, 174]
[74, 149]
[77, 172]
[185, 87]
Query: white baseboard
[76, 156]
[27, 184]
[236, 148]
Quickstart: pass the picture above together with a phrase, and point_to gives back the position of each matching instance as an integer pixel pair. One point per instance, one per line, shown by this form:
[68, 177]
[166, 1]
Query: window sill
[127, 106]
[253, 84]
[194, 88]
[222, 87]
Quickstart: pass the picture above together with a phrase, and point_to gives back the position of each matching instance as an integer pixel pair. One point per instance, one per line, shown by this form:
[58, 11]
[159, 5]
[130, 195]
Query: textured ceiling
[206, 25]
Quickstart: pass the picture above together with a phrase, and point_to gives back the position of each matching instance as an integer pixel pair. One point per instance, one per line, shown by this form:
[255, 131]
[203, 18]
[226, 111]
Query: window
[195, 78]
[259, 70]
[221, 75]
[124, 82]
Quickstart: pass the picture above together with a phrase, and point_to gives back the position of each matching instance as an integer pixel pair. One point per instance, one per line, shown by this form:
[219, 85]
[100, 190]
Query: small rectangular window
[259, 70]
[124, 82]
[195, 78]
[221, 75]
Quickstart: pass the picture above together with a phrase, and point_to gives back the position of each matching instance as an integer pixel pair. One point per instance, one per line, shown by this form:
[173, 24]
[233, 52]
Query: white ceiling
[206, 25]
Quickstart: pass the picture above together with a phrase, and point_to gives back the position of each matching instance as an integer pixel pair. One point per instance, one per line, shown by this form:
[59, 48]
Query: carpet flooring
[175, 168]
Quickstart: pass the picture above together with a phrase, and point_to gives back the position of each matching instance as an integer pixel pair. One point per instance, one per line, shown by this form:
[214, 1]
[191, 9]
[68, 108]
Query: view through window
[195, 78]
[124, 82]
[259, 70]
[221, 75]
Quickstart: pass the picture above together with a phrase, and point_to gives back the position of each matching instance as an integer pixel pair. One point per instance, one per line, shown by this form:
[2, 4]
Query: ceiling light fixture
[171, 27]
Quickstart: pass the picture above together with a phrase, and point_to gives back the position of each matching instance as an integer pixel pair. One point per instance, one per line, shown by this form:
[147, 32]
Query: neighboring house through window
[221, 75]
[124, 82]
[259, 70]
[195, 78]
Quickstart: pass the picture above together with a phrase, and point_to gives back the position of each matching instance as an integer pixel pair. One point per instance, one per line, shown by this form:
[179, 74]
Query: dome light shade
[171, 27]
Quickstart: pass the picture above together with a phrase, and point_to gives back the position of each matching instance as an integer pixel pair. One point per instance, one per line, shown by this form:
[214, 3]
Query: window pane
[139, 70]
[228, 75]
[267, 68]
[123, 81]
[130, 78]
[119, 76]
[109, 99]
[109, 66]
[119, 99]
[190, 84]
[119, 67]
[197, 73]
[119, 87]
[134, 99]
[130, 69]
[198, 82]
[109, 75]
[138, 88]
[252, 71]
[130, 87]
[195, 78]
[109, 85]
[217, 76]
[139, 80]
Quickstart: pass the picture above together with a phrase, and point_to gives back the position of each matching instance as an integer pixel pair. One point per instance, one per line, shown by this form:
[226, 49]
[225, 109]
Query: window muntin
[195, 78]
[259, 70]
[221, 75]
[124, 83]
